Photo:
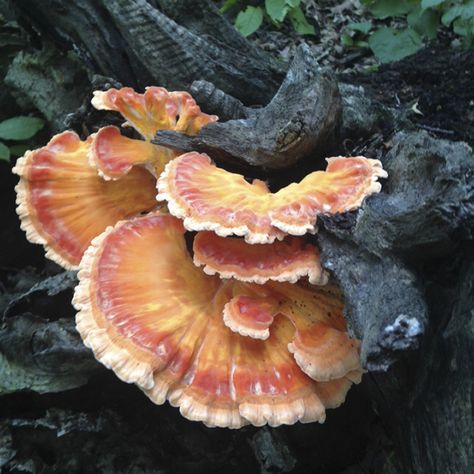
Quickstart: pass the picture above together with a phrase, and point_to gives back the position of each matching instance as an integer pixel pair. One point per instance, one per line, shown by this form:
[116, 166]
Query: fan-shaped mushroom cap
[250, 316]
[63, 204]
[210, 198]
[156, 109]
[288, 260]
[321, 345]
[153, 317]
[114, 155]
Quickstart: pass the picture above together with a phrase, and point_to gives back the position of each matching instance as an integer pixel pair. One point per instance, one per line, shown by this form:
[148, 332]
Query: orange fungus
[210, 198]
[153, 317]
[63, 203]
[286, 260]
[114, 155]
[155, 109]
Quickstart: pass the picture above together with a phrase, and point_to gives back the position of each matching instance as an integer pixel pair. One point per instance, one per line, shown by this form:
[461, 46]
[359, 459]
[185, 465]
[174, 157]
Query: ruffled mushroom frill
[287, 260]
[63, 203]
[156, 109]
[238, 341]
[71, 190]
[153, 317]
[210, 198]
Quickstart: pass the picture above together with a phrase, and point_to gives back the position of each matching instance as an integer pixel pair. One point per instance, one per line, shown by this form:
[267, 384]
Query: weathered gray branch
[38, 353]
[302, 118]
[406, 264]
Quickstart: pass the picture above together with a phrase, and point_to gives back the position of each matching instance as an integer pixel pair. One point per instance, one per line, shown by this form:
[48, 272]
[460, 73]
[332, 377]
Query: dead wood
[404, 261]
[302, 119]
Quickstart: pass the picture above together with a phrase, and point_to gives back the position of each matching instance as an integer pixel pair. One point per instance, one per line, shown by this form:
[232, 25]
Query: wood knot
[291, 133]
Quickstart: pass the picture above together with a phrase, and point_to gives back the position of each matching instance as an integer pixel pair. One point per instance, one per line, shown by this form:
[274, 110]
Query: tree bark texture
[405, 260]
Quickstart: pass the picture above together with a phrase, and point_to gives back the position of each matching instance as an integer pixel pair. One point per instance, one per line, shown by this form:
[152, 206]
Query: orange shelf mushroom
[320, 345]
[250, 315]
[153, 317]
[156, 109]
[249, 345]
[115, 155]
[63, 204]
[286, 260]
[210, 198]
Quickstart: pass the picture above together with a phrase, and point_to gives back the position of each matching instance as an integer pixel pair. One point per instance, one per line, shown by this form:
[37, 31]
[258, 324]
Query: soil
[437, 84]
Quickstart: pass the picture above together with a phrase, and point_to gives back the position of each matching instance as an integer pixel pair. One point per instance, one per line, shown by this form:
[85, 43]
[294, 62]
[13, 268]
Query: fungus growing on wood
[115, 155]
[210, 198]
[286, 260]
[321, 346]
[250, 315]
[155, 109]
[153, 317]
[248, 346]
[63, 204]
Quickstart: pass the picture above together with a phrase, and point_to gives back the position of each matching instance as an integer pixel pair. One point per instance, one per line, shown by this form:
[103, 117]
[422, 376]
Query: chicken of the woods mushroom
[247, 328]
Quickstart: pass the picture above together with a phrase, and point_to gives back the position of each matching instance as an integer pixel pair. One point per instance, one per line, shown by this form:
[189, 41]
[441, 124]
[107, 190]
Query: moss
[54, 83]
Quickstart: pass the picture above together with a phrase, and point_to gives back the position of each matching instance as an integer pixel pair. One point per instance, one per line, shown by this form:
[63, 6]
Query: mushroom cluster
[255, 336]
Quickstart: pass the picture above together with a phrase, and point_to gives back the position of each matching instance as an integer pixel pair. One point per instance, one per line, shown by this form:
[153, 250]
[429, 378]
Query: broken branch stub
[302, 119]
[427, 205]
[384, 302]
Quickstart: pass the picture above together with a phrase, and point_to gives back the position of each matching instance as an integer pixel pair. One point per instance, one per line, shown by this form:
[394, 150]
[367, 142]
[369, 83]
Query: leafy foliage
[389, 44]
[423, 19]
[17, 129]
[248, 21]
[249, 18]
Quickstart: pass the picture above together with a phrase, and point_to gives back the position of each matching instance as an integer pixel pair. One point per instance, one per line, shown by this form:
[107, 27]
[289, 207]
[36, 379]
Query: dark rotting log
[138, 45]
[406, 263]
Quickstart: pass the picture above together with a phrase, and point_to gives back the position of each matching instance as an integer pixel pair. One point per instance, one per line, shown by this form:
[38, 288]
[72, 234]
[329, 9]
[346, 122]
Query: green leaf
[20, 128]
[347, 41]
[464, 27]
[460, 27]
[468, 11]
[363, 27]
[4, 152]
[457, 13]
[276, 9]
[293, 3]
[390, 45]
[430, 3]
[385, 8]
[299, 22]
[425, 23]
[20, 149]
[361, 44]
[228, 4]
[249, 20]
[451, 15]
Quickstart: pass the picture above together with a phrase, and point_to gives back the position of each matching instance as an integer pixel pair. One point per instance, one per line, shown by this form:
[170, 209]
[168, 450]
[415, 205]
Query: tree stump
[405, 260]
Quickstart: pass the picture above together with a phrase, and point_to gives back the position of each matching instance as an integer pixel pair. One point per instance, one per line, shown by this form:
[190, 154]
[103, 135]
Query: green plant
[357, 35]
[16, 130]
[422, 20]
[250, 17]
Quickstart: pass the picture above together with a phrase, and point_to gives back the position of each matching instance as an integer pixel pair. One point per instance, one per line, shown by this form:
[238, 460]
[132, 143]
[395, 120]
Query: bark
[40, 349]
[404, 260]
[303, 116]
[138, 45]
[406, 264]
